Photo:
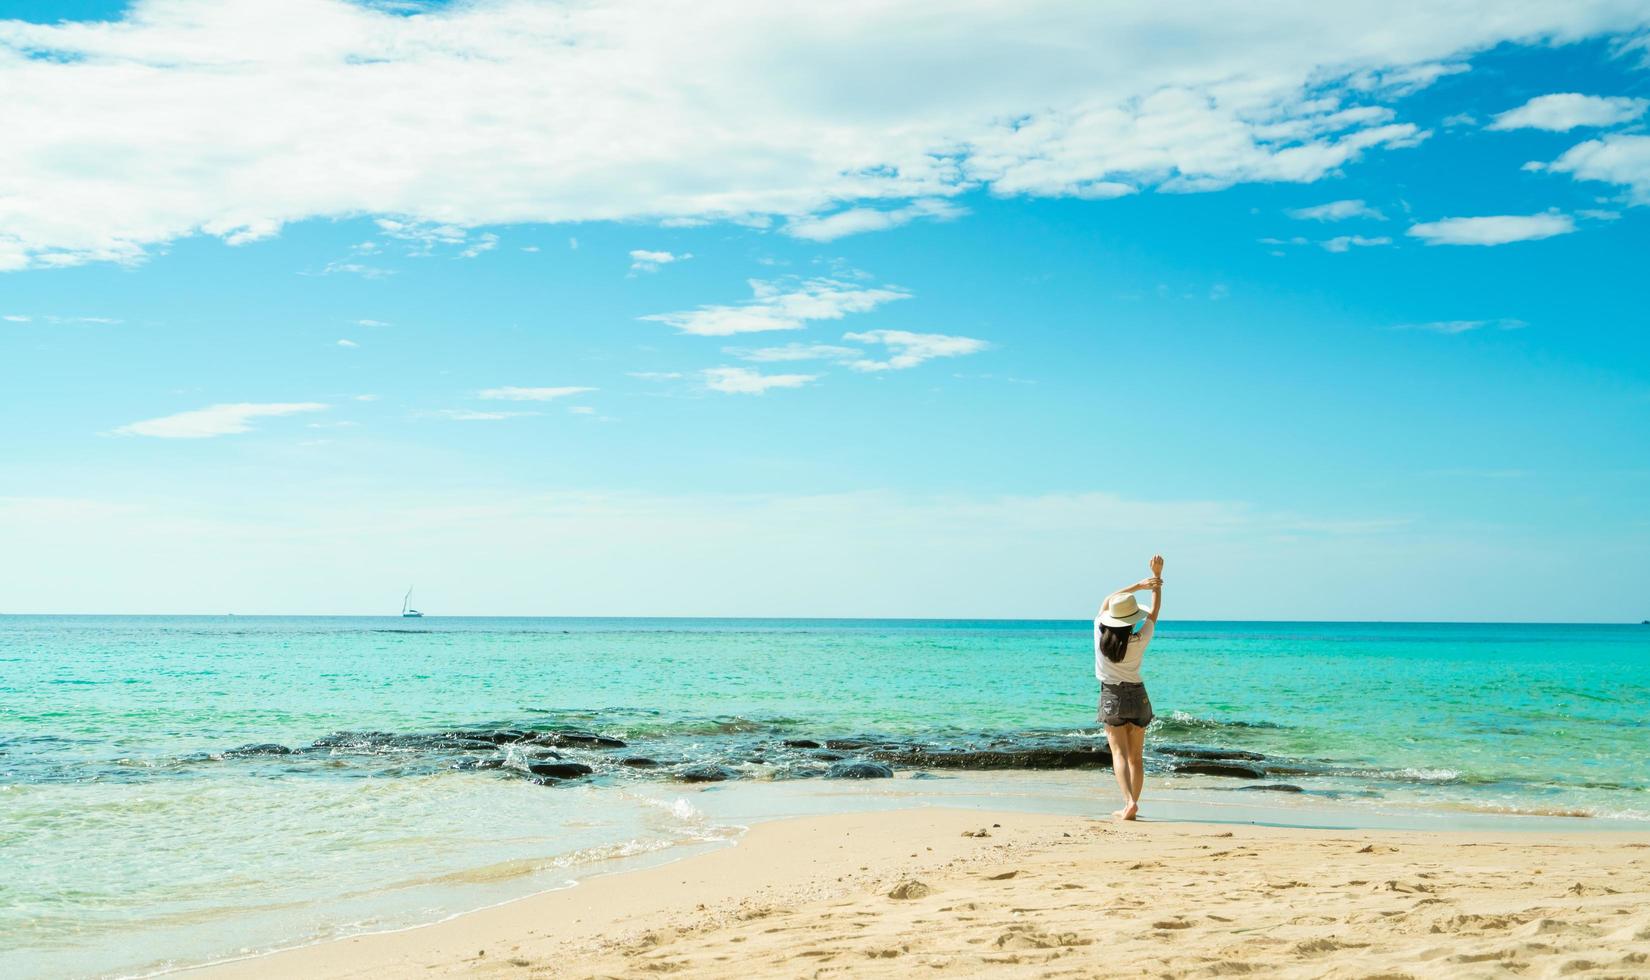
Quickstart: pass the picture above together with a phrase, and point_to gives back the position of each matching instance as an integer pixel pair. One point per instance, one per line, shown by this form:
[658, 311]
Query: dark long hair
[1114, 641]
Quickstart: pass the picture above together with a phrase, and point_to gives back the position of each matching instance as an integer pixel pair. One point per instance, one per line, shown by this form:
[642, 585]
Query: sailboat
[408, 612]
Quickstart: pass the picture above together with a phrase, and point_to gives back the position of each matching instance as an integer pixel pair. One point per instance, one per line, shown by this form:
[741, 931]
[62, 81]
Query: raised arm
[1155, 583]
[1139, 586]
[1157, 588]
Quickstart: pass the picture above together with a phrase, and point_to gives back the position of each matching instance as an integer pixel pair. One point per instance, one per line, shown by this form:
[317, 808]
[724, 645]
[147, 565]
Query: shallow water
[130, 839]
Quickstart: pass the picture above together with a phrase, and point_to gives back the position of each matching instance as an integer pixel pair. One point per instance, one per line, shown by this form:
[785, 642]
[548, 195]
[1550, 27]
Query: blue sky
[570, 315]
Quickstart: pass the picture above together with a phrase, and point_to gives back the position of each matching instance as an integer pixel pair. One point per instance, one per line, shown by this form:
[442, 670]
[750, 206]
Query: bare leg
[1135, 736]
[1117, 736]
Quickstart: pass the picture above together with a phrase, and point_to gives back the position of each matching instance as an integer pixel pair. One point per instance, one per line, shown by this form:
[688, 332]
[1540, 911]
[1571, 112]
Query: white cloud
[365, 398]
[781, 305]
[371, 323]
[356, 269]
[1337, 211]
[347, 343]
[910, 349]
[484, 242]
[1614, 159]
[1493, 230]
[744, 381]
[52, 318]
[645, 260]
[1466, 326]
[582, 410]
[655, 375]
[422, 236]
[1343, 243]
[793, 352]
[513, 394]
[471, 415]
[236, 117]
[214, 420]
[1565, 111]
[853, 221]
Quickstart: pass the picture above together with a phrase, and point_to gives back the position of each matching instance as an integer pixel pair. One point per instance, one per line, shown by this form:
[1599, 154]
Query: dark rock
[801, 743]
[1275, 787]
[639, 762]
[1023, 757]
[847, 744]
[468, 764]
[859, 769]
[800, 772]
[261, 748]
[584, 739]
[829, 756]
[559, 770]
[493, 736]
[706, 773]
[541, 753]
[1206, 768]
[1197, 752]
[472, 745]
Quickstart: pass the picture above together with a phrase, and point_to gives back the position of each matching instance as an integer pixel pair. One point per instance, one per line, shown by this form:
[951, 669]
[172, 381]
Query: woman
[1124, 707]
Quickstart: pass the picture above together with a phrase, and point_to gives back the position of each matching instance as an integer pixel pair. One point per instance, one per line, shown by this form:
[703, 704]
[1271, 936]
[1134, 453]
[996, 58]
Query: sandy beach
[962, 892]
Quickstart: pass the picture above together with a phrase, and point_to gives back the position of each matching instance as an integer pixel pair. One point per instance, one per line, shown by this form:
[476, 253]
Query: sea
[177, 790]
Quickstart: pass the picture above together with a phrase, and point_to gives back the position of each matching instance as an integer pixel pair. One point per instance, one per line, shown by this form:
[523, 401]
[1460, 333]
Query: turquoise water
[131, 840]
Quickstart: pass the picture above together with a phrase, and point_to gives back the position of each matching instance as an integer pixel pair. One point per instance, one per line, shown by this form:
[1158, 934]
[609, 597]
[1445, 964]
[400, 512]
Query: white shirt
[1127, 670]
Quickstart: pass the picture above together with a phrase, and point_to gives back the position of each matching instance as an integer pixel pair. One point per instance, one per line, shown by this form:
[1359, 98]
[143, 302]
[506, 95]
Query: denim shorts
[1125, 704]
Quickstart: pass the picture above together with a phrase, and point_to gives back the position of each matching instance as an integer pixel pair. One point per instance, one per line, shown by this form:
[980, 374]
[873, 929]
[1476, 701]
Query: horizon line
[840, 619]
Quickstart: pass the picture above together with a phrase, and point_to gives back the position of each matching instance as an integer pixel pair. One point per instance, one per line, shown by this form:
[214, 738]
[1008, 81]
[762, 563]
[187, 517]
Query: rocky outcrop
[559, 770]
[705, 773]
[1236, 770]
[260, 748]
[1018, 757]
[859, 769]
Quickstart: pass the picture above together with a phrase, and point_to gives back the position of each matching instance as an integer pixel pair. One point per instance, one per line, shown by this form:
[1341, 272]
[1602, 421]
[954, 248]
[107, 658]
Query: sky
[952, 309]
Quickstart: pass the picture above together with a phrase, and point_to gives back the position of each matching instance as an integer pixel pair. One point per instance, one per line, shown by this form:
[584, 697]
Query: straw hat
[1124, 611]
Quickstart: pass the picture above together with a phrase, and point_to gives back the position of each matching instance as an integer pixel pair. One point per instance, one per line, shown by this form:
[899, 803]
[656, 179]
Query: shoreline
[695, 913]
[724, 814]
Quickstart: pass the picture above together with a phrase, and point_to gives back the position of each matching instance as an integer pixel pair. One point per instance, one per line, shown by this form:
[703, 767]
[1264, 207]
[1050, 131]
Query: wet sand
[947, 892]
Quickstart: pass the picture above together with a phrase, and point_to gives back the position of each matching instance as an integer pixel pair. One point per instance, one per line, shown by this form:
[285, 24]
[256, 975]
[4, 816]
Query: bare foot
[1128, 812]
[1119, 814]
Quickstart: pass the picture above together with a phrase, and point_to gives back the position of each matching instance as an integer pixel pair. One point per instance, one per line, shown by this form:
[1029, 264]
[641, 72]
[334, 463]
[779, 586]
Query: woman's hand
[1157, 568]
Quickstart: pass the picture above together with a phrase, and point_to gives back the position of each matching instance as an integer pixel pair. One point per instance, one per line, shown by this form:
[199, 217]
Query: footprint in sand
[1030, 937]
[1001, 876]
[1172, 924]
[1472, 922]
[910, 889]
[1313, 947]
[1558, 927]
[1499, 954]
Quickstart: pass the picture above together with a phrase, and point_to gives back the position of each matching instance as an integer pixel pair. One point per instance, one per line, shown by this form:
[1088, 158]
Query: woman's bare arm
[1157, 587]
[1139, 586]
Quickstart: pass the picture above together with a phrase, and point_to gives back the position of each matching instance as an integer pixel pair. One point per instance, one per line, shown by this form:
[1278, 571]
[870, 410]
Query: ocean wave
[1412, 775]
[1526, 810]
